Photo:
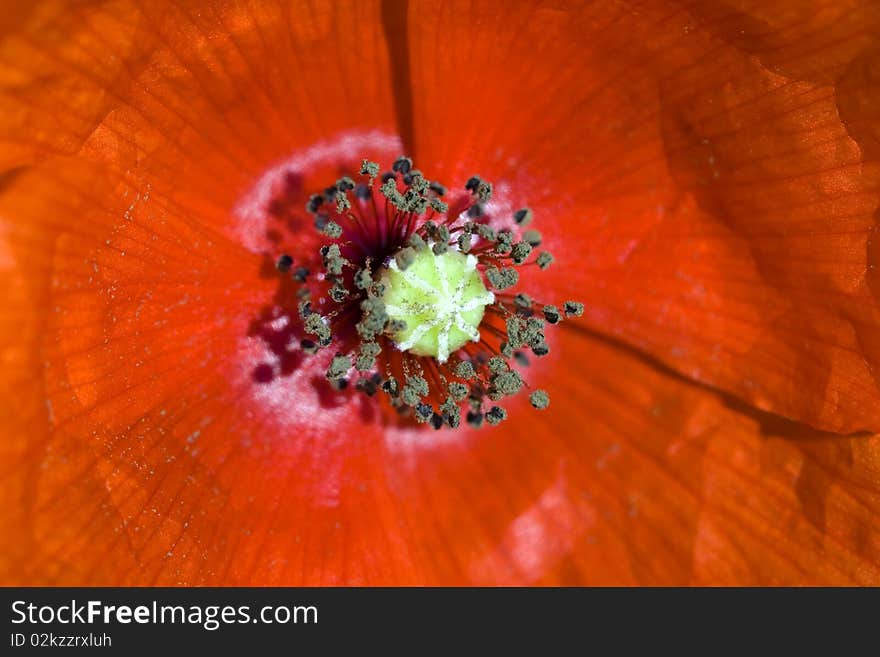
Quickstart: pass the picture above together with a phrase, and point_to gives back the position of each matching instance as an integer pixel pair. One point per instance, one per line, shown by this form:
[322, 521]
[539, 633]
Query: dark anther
[300, 274]
[484, 191]
[471, 184]
[423, 412]
[495, 415]
[476, 210]
[315, 201]
[390, 386]
[362, 191]
[333, 230]
[338, 293]
[540, 399]
[521, 359]
[338, 367]
[388, 176]
[366, 357]
[373, 319]
[402, 164]
[497, 365]
[362, 279]
[507, 383]
[418, 384]
[284, 263]
[523, 217]
[465, 370]
[451, 412]
[475, 419]
[369, 169]
[366, 386]
[505, 242]
[520, 252]
[551, 314]
[533, 237]
[415, 388]
[573, 308]
[414, 202]
[333, 260]
[501, 279]
[437, 188]
[404, 258]
[544, 259]
[418, 181]
[342, 202]
[436, 421]
[516, 336]
[308, 346]
[486, 232]
[438, 206]
[345, 184]
[458, 391]
[395, 326]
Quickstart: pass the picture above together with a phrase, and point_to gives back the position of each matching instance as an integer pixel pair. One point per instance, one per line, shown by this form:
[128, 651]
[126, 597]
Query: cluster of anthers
[403, 300]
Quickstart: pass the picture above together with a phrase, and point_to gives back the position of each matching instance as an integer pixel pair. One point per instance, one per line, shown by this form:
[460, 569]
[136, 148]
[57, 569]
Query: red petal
[707, 177]
[139, 449]
[639, 477]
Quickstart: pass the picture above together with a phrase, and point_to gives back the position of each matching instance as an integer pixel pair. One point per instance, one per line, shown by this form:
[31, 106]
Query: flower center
[403, 299]
[440, 299]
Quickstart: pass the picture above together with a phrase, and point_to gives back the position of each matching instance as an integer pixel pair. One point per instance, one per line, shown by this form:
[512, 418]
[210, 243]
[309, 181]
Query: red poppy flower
[706, 174]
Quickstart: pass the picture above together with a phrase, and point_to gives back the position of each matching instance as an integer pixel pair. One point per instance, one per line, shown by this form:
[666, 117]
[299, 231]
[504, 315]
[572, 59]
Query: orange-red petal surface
[710, 167]
[139, 448]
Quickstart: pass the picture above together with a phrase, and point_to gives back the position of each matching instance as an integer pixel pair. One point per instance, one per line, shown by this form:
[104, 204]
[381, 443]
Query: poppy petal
[637, 477]
[129, 135]
[142, 451]
[706, 174]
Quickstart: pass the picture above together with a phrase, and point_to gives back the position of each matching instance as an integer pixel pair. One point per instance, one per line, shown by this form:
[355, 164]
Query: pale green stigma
[440, 297]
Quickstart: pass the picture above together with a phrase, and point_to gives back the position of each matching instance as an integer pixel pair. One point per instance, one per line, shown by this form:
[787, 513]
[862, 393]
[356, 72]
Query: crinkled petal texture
[706, 174]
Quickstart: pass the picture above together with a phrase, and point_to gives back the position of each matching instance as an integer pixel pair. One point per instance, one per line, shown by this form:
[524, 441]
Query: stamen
[532, 238]
[338, 367]
[523, 217]
[551, 314]
[465, 370]
[573, 309]
[408, 280]
[501, 279]
[284, 263]
[402, 165]
[544, 259]
[540, 399]
[496, 415]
